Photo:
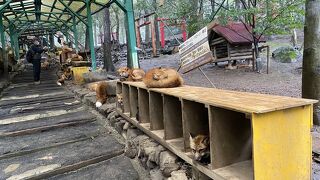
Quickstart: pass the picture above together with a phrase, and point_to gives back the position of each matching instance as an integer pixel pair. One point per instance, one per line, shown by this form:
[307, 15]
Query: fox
[67, 74]
[200, 146]
[120, 101]
[92, 86]
[162, 78]
[134, 74]
[45, 65]
[101, 93]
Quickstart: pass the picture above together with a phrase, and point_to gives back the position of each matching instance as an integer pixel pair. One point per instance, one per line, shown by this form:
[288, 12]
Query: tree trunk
[95, 33]
[87, 41]
[147, 33]
[213, 7]
[156, 27]
[294, 38]
[238, 4]
[311, 56]
[118, 25]
[108, 64]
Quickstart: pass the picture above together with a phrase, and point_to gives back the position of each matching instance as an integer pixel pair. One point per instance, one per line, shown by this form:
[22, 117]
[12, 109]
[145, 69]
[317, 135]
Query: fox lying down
[101, 92]
[162, 78]
[128, 74]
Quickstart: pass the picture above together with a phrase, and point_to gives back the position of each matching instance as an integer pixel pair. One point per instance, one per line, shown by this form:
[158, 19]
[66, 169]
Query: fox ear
[191, 135]
[206, 140]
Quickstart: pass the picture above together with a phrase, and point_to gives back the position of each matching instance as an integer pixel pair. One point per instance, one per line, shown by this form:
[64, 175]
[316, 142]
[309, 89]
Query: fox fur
[162, 78]
[127, 74]
[93, 86]
[120, 101]
[45, 65]
[101, 93]
[67, 74]
[200, 146]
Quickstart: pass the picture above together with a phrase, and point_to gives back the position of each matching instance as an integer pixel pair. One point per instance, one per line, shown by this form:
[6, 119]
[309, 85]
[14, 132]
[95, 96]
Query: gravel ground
[283, 79]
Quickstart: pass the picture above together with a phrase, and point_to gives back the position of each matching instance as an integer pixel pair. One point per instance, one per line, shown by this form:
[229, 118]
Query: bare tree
[311, 58]
[108, 64]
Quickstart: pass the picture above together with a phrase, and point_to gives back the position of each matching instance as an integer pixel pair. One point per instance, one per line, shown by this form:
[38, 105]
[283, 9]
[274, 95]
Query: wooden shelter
[231, 42]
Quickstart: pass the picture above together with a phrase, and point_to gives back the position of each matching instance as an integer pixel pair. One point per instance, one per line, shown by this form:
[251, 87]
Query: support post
[16, 46]
[91, 40]
[67, 37]
[51, 37]
[133, 56]
[162, 34]
[75, 34]
[3, 43]
[13, 42]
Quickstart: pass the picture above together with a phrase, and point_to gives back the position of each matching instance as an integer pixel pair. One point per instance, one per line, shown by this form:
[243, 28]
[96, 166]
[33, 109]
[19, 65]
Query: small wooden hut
[231, 42]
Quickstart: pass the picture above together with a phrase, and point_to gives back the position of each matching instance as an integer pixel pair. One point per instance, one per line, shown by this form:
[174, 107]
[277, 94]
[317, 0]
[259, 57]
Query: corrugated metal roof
[235, 33]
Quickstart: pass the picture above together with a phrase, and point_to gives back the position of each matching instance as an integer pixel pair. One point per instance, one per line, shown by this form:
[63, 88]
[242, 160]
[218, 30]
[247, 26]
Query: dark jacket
[37, 50]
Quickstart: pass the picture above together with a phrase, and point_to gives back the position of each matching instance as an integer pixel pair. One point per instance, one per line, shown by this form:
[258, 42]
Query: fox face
[68, 73]
[200, 146]
[124, 72]
[160, 74]
[120, 98]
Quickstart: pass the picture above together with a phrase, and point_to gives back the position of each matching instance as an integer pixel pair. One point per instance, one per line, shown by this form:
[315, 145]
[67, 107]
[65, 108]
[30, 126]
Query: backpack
[29, 55]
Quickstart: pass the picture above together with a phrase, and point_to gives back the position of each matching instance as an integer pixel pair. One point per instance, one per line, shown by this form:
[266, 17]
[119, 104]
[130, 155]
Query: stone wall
[161, 163]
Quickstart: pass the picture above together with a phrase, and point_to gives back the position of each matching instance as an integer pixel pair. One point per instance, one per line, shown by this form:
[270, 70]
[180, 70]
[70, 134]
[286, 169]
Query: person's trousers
[36, 70]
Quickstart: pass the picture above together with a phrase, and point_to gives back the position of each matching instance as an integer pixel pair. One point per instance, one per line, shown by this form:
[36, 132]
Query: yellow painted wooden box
[252, 136]
[78, 74]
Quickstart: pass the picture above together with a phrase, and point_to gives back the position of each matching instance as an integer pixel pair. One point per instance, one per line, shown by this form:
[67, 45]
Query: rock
[106, 109]
[95, 76]
[113, 120]
[133, 133]
[286, 55]
[148, 146]
[112, 87]
[155, 156]
[131, 149]
[168, 163]
[156, 174]
[178, 175]
[169, 168]
[112, 114]
[151, 165]
[132, 144]
[126, 126]
[118, 125]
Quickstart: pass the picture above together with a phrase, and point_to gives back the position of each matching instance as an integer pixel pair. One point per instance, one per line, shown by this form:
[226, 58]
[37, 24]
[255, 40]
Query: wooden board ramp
[249, 132]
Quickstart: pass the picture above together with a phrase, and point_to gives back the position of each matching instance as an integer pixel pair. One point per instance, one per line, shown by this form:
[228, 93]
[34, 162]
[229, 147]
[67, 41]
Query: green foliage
[271, 16]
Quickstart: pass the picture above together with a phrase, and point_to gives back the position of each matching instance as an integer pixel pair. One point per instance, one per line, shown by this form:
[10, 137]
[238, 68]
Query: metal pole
[207, 77]
[12, 41]
[91, 40]
[67, 37]
[75, 33]
[16, 46]
[133, 59]
[3, 43]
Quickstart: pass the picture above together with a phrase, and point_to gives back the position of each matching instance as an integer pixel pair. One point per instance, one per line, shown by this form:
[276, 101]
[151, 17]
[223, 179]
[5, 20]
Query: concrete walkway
[45, 133]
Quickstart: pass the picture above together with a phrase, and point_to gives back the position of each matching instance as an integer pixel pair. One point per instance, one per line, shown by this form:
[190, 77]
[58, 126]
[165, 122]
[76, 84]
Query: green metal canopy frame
[22, 18]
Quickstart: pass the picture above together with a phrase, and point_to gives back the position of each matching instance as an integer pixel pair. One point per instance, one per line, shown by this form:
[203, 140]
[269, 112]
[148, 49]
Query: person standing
[35, 52]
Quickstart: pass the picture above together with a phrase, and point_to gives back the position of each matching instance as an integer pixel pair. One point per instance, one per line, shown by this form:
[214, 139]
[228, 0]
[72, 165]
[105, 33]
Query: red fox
[67, 74]
[45, 65]
[162, 78]
[200, 146]
[120, 101]
[101, 93]
[127, 74]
